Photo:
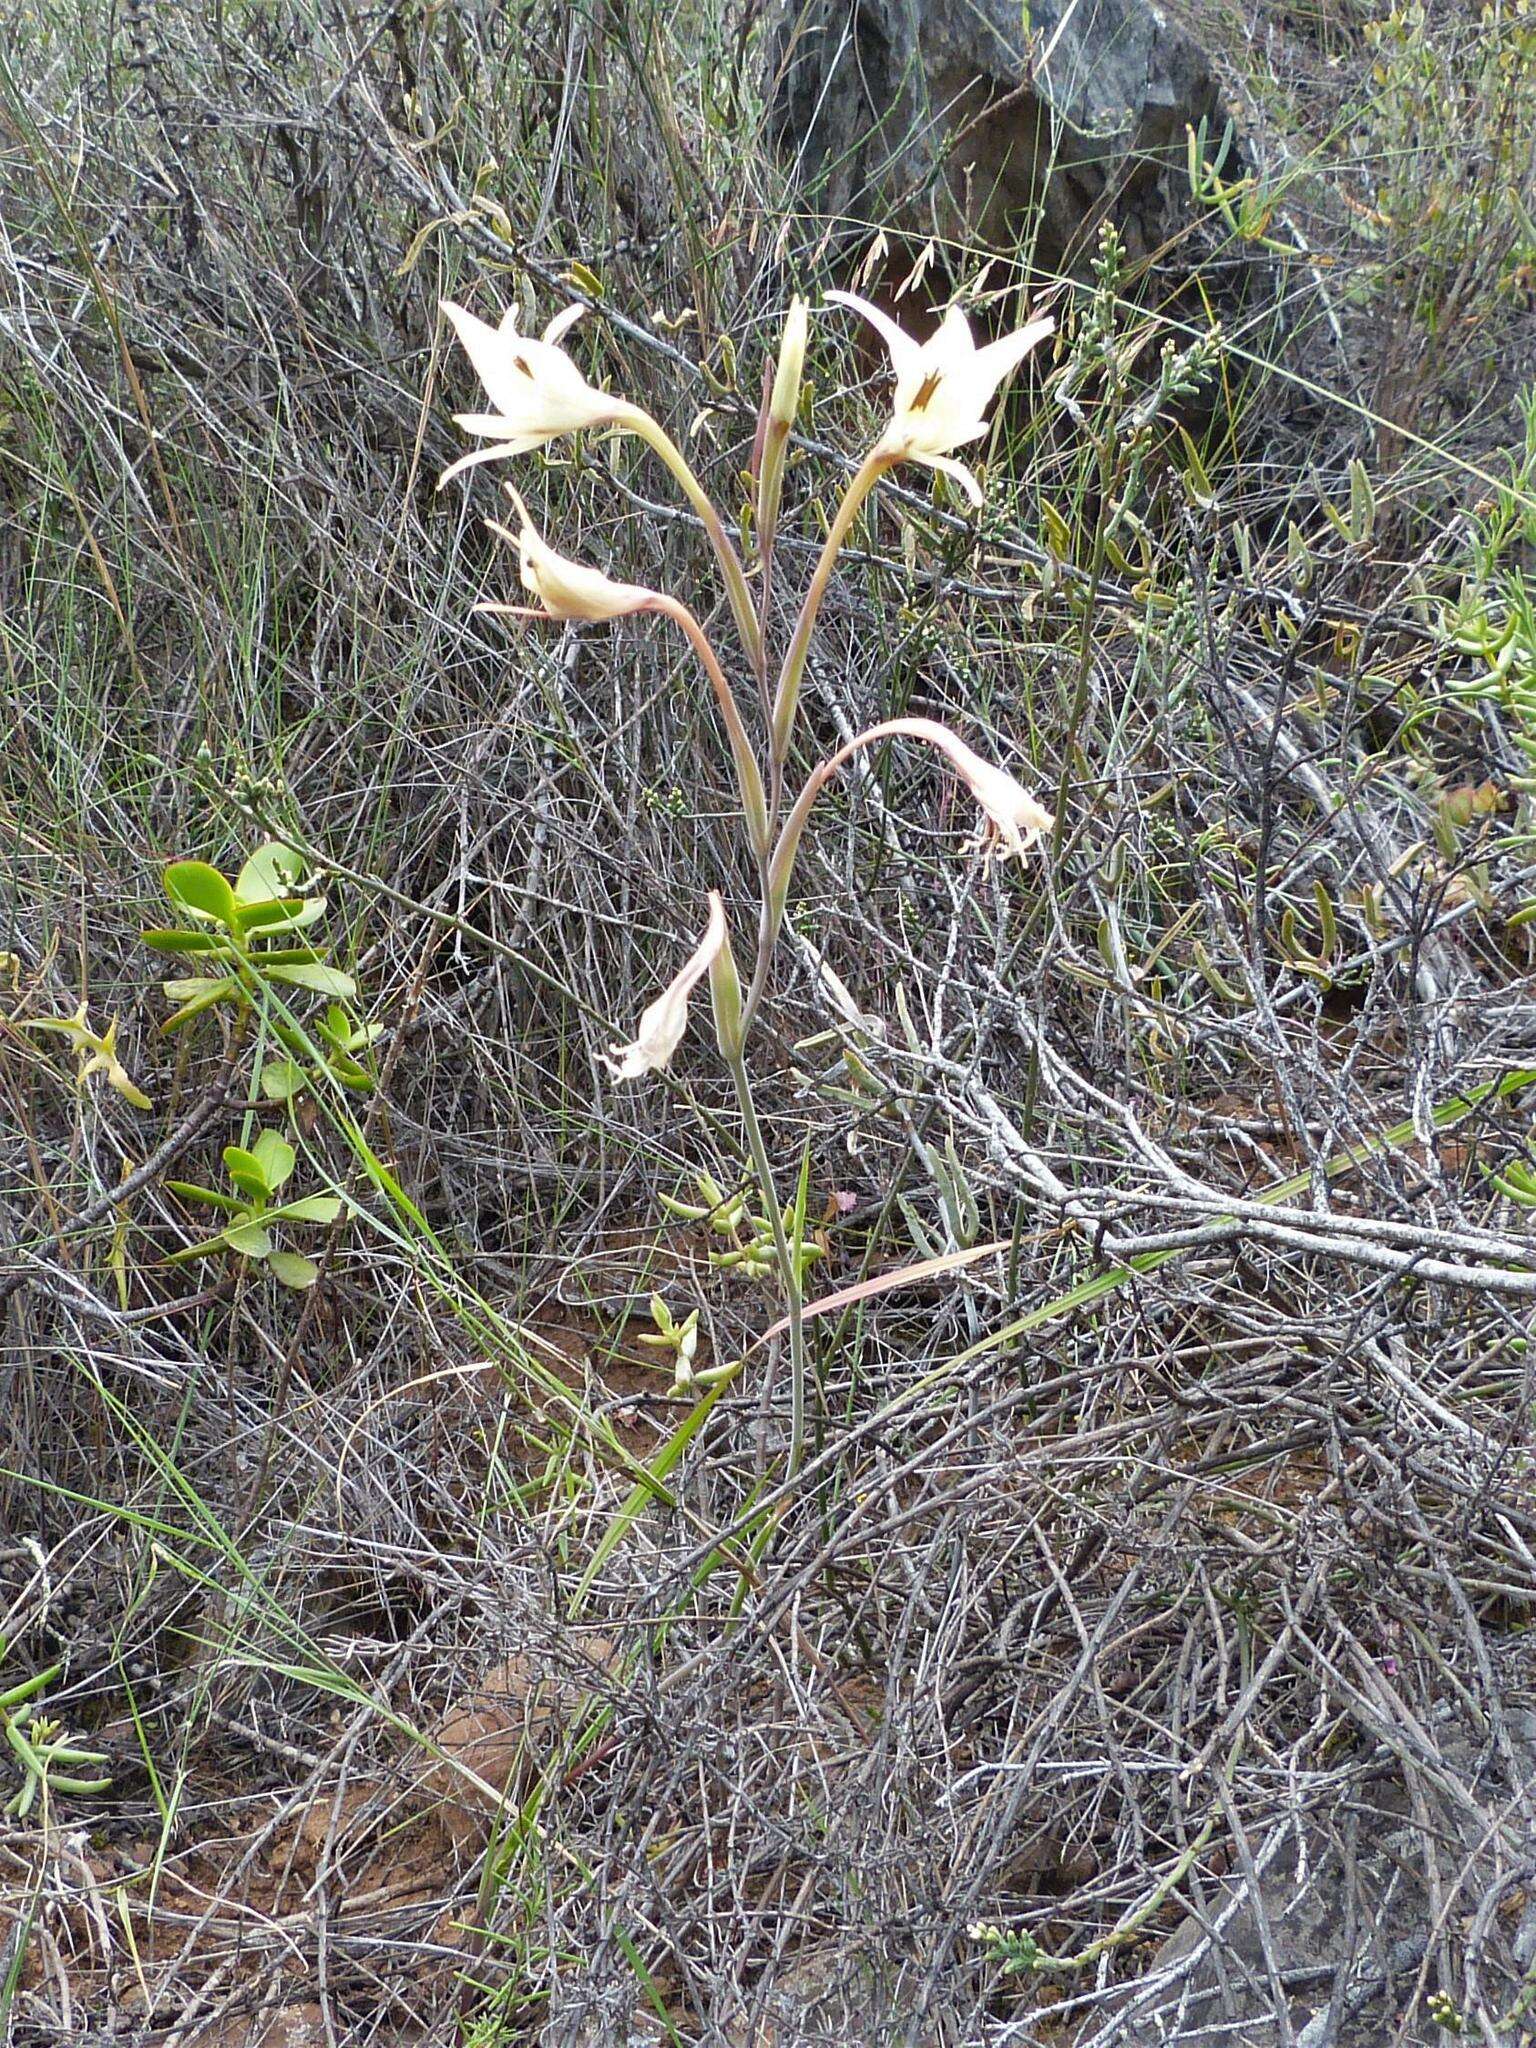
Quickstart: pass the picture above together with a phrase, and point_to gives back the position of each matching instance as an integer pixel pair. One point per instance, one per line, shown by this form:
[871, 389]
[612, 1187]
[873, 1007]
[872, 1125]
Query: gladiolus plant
[943, 388]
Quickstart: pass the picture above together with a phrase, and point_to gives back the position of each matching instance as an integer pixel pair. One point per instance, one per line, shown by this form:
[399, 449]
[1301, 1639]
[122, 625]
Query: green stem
[781, 865]
[789, 1269]
[787, 697]
[748, 775]
[743, 610]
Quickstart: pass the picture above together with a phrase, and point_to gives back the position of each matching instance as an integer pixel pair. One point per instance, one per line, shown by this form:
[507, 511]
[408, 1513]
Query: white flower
[664, 1022]
[565, 589]
[943, 385]
[537, 390]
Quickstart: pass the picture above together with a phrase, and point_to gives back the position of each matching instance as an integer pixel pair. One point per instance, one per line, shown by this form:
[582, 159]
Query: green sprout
[243, 934]
[258, 1176]
[40, 1746]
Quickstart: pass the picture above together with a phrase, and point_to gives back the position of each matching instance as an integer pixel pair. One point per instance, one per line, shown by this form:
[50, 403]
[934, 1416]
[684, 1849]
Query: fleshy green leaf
[309, 1209]
[193, 885]
[195, 985]
[210, 1248]
[190, 1192]
[182, 942]
[275, 1156]
[248, 1172]
[288, 912]
[323, 981]
[196, 996]
[293, 1270]
[282, 1080]
[251, 1240]
[273, 870]
[350, 1074]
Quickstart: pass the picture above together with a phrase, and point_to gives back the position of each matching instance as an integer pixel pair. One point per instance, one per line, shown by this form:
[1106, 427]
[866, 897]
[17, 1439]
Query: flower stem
[789, 1267]
[868, 474]
[749, 778]
[743, 610]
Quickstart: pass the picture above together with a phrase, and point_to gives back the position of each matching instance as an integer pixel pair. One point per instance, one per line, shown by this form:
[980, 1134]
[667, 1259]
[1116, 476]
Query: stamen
[926, 389]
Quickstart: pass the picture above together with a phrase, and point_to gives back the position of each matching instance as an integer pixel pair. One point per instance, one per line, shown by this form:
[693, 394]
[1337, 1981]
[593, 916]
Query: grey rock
[942, 116]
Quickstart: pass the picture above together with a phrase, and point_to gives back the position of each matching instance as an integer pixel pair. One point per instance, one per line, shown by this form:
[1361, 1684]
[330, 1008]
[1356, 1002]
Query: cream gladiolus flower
[564, 589]
[664, 1022]
[943, 385]
[1012, 820]
[536, 388]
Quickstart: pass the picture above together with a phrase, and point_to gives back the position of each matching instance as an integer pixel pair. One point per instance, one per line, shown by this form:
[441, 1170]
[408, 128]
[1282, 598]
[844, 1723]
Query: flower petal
[489, 350]
[957, 470]
[904, 351]
[999, 358]
[498, 452]
[952, 346]
[562, 324]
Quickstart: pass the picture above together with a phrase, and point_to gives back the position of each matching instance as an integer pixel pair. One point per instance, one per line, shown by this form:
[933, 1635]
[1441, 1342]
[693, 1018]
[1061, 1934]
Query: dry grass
[1191, 1522]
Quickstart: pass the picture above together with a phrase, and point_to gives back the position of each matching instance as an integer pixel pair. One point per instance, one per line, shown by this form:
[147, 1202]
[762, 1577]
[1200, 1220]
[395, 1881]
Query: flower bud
[725, 999]
[783, 403]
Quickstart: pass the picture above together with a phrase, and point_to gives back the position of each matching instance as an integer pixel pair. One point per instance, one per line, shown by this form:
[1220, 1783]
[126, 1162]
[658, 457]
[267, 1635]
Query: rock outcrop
[1006, 122]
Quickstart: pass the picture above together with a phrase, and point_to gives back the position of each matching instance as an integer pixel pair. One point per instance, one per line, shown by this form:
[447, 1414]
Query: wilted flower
[537, 390]
[664, 1022]
[943, 385]
[565, 589]
[1014, 820]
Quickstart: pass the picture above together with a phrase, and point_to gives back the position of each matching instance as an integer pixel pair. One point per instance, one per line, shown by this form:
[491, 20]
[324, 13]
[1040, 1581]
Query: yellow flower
[943, 385]
[97, 1051]
[564, 589]
[664, 1022]
[536, 388]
